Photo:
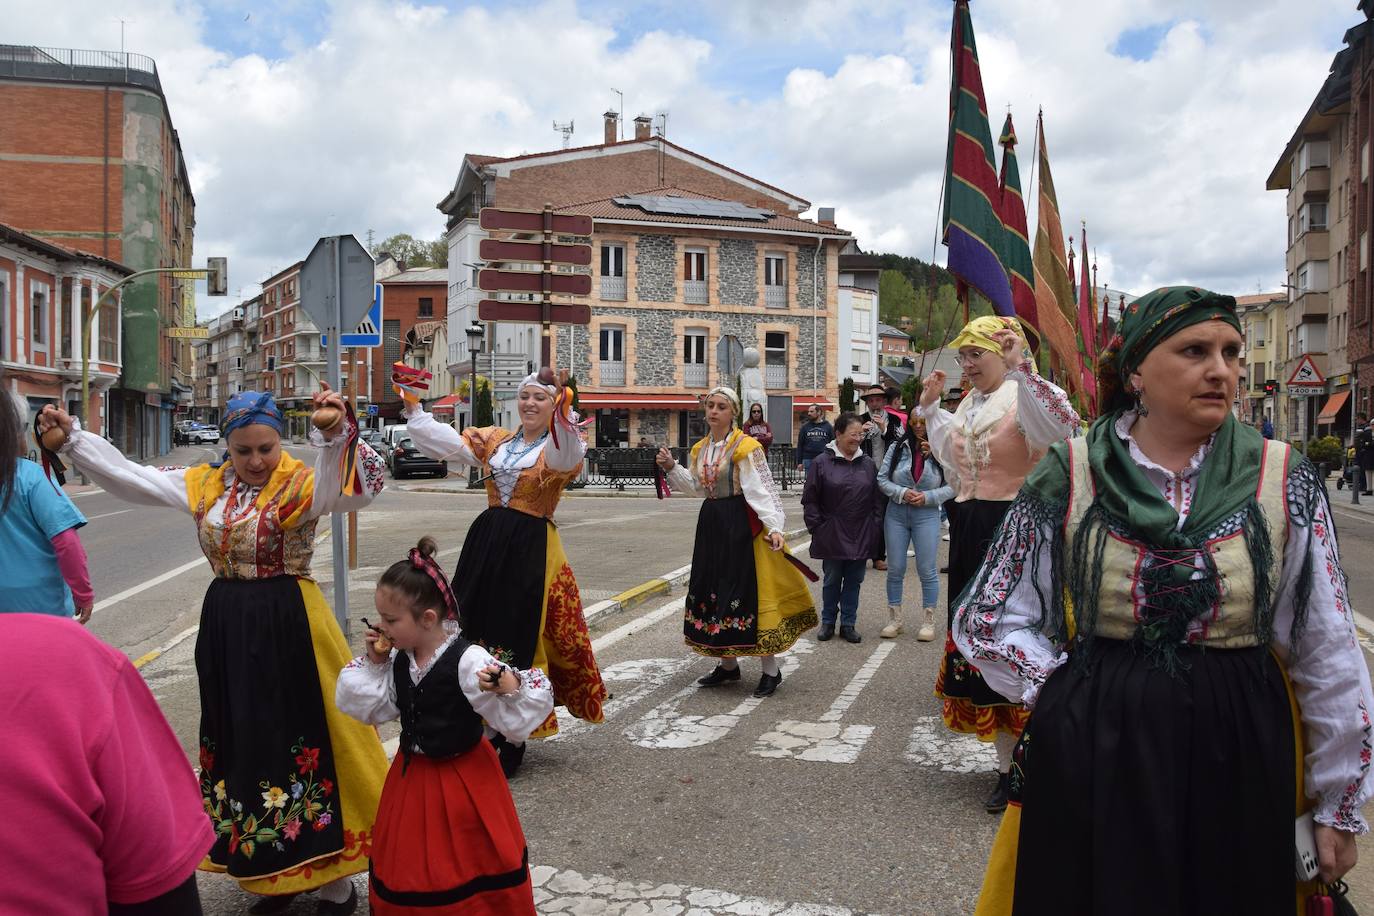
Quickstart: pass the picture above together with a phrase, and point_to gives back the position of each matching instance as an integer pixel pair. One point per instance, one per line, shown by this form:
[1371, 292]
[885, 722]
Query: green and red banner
[1016, 256]
[1087, 329]
[973, 227]
[1053, 282]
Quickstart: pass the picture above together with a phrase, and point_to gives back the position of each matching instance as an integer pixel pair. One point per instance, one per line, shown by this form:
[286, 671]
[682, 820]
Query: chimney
[826, 216]
[642, 127]
[612, 123]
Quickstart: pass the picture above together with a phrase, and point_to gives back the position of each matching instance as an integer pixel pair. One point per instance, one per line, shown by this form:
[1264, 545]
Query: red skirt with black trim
[448, 840]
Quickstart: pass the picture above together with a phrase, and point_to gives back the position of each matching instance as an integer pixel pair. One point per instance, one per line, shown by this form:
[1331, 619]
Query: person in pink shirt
[102, 813]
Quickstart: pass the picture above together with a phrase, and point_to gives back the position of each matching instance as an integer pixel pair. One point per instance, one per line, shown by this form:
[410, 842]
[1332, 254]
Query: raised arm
[328, 496]
[132, 482]
[1042, 408]
[437, 440]
[514, 715]
[570, 449]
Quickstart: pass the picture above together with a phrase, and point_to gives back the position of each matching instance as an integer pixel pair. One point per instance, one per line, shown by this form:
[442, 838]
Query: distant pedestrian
[102, 814]
[844, 511]
[1364, 458]
[446, 826]
[42, 563]
[758, 427]
[744, 596]
[914, 483]
[290, 783]
[815, 435]
[1267, 428]
[881, 431]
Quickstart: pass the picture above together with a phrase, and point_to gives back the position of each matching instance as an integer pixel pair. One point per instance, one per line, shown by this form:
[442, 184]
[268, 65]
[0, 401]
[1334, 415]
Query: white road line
[643, 622]
[165, 647]
[143, 587]
[85, 493]
[857, 683]
[107, 514]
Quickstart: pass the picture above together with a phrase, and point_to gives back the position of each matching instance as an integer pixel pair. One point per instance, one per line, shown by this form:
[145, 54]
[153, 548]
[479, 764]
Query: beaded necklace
[711, 460]
[513, 453]
[230, 508]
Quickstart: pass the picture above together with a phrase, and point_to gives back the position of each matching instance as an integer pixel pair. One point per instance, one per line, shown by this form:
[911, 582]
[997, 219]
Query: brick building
[89, 160]
[44, 288]
[692, 260]
[226, 361]
[409, 298]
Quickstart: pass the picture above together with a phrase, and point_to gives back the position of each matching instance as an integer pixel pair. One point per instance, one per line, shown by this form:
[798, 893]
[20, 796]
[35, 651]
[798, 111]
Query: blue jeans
[806, 465]
[918, 526]
[840, 591]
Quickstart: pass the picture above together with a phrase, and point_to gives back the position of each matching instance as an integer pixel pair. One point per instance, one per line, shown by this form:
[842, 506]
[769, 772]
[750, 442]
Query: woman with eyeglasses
[986, 447]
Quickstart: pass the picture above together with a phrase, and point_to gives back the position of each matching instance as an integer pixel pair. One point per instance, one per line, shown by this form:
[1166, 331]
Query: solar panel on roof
[691, 206]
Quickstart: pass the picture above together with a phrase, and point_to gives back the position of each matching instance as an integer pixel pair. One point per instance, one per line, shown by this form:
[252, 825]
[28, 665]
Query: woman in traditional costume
[1166, 595]
[290, 783]
[745, 596]
[517, 596]
[986, 447]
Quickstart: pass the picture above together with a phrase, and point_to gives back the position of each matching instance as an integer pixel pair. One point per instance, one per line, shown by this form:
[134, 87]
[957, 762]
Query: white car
[203, 435]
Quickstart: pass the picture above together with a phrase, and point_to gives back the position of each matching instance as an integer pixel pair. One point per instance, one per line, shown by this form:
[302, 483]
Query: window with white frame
[694, 357]
[612, 260]
[774, 280]
[612, 355]
[775, 359]
[1312, 277]
[1312, 217]
[1315, 154]
[861, 361]
[863, 321]
[694, 264]
[38, 319]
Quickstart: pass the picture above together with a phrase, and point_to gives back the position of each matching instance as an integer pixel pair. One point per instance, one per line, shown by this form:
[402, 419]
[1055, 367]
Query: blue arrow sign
[369, 332]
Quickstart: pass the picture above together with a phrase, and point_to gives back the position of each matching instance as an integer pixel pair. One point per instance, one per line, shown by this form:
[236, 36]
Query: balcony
[612, 373]
[774, 376]
[775, 297]
[694, 292]
[1312, 245]
[1315, 182]
[613, 288]
[1312, 303]
[694, 375]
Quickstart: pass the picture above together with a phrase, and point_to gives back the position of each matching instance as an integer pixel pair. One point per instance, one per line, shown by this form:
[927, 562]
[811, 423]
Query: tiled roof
[480, 160]
[420, 275]
[887, 330]
[607, 208]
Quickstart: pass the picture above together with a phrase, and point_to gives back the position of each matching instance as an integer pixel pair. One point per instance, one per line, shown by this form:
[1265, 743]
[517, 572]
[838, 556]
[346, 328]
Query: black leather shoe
[510, 755]
[768, 683]
[276, 904]
[326, 908]
[826, 633]
[996, 803]
[849, 634]
[944, 570]
[719, 676]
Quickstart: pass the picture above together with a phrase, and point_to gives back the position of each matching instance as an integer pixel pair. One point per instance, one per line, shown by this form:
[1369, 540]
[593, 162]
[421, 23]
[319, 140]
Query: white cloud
[361, 124]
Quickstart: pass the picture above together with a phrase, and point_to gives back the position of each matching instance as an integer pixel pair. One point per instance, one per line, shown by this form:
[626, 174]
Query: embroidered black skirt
[1144, 793]
[499, 583]
[722, 607]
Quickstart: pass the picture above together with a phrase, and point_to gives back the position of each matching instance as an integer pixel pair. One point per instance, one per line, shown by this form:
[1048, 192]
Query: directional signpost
[337, 290]
[546, 282]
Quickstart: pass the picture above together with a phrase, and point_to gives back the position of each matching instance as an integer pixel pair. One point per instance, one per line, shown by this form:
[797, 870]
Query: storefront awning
[1333, 407]
[447, 403]
[627, 399]
[804, 401]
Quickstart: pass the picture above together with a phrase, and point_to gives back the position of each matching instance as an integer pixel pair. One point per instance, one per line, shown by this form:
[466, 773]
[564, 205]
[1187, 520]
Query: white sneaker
[927, 631]
[894, 622]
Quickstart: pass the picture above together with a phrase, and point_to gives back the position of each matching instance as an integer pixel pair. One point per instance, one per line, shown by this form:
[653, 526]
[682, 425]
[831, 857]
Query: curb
[655, 587]
[580, 493]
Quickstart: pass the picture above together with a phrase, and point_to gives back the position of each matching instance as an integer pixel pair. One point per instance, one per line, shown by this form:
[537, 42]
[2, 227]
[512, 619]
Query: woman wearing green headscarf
[1166, 595]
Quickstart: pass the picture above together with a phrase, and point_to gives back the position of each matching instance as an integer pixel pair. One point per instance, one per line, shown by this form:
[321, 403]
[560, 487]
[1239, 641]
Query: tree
[847, 395]
[414, 252]
[897, 298]
[482, 413]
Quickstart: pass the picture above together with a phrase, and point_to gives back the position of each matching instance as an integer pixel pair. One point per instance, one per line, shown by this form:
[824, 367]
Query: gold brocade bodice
[254, 533]
[538, 487]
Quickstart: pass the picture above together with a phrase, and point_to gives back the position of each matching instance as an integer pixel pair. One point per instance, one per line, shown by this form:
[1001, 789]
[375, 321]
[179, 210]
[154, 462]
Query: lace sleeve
[1043, 409]
[761, 491]
[1005, 617]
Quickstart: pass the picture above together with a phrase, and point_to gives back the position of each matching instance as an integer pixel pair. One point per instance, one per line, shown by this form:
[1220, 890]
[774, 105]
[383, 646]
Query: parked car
[181, 431]
[406, 460]
[203, 435]
[391, 436]
[373, 437]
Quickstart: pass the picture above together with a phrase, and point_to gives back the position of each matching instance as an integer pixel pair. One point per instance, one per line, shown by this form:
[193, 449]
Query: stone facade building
[692, 262]
[90, 160]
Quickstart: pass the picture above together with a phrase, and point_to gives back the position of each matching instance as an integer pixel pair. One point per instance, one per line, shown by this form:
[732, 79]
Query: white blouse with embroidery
[154, 486]
[998, 634]
[366, 690]
[755, 481]
[444, 443]
[1043, 414]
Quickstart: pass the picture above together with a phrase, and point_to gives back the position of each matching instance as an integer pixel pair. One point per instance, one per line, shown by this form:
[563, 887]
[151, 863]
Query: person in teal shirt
[42, 564]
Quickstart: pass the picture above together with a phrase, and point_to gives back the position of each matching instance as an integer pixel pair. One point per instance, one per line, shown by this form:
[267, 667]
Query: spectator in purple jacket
[844, 509]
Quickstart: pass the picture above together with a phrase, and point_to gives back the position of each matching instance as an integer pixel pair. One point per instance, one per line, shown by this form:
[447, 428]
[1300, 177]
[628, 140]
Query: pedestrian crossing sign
[369, 330]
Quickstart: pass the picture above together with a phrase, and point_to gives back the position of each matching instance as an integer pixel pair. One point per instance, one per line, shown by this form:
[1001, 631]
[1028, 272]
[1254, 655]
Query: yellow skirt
[786, 609]
[564, 650]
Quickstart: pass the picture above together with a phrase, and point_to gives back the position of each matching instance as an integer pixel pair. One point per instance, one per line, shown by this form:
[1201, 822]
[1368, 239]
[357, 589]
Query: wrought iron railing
[30, 61]
[612, 373]
[613, 288]
[775, 297]
[775, 376]
[694, 292]
[622, 467]
[694, 375]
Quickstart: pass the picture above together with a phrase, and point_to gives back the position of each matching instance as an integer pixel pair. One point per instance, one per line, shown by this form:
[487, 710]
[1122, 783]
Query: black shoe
[326, 908]
[275, 904]
[511, 755]
[719, 675]
[767, 684]
[849, 634]
[996, 803]
[826, 633]
[944, 570]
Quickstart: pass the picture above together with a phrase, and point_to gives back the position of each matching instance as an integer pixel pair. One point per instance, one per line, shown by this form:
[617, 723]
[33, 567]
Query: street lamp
[474, 332]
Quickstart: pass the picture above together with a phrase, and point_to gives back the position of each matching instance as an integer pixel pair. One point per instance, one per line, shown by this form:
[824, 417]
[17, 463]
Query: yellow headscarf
[979, 331]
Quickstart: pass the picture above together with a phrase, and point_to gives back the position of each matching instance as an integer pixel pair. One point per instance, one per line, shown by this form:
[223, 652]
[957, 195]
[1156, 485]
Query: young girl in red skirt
[447, 839]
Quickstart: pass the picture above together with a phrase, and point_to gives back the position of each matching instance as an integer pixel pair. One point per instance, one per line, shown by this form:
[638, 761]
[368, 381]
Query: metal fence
[633, 467]
[75, 65]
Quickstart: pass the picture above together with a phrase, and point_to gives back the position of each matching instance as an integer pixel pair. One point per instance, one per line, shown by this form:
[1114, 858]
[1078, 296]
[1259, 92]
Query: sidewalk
[459, 485]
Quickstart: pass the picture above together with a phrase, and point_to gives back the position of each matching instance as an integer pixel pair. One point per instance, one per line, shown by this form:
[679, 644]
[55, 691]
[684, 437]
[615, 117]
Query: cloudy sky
[1163, 117]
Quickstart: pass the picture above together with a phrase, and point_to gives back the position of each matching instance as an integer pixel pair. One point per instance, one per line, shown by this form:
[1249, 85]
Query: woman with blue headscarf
[290, 783]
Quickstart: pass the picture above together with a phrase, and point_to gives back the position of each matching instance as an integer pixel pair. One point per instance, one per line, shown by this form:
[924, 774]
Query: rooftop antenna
[620, 114]
[122, 23]
[566, 130]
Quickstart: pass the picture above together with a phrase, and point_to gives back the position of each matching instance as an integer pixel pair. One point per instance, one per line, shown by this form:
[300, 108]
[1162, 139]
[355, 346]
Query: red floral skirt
[448, 840]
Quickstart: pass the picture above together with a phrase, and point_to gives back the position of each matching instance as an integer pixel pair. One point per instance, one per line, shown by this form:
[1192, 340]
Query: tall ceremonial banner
[1054, 305]
[1016, 256]
[973, 228]
[1087, 330]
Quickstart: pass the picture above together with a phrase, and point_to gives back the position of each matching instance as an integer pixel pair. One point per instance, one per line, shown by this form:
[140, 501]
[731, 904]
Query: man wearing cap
[880, 431]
